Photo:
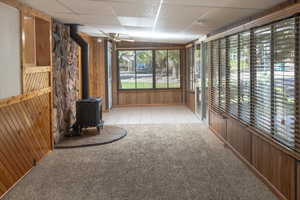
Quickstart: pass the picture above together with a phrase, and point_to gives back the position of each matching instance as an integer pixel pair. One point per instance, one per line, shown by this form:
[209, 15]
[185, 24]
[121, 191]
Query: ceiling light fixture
[157, 14]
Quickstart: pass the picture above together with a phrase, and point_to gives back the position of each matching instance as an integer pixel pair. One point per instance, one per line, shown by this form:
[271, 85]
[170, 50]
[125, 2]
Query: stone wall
[65, 80]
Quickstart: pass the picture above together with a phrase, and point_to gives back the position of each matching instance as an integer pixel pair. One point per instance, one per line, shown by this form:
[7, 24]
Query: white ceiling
[177, 21]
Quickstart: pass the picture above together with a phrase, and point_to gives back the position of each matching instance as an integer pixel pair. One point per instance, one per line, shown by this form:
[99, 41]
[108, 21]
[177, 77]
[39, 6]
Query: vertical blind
[254, 78]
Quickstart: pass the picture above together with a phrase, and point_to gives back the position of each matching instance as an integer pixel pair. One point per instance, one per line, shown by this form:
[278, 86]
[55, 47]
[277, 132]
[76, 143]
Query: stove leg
[98, 130]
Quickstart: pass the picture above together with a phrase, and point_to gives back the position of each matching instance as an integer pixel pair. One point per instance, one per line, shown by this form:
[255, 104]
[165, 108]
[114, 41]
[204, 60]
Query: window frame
[153, 66]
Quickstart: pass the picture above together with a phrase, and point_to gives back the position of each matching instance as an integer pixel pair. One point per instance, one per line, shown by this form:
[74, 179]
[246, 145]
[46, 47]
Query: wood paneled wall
[272, 162]
[298, 181]
[190, 100]
[146, 97]
[97, 78]
[275, 165]
[26, 120]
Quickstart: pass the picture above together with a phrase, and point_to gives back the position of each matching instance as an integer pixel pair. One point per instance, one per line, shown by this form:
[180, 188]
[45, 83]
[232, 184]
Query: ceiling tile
[46, 6]
[135, 10]
[218, 17]
[136, 21]
[88, 7]
[97, 20]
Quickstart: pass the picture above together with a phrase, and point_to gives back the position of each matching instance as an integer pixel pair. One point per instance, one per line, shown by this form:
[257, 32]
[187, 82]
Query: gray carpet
[154, 162]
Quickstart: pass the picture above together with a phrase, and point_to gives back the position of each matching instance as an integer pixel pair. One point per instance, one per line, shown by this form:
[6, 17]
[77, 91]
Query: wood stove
[88, 114]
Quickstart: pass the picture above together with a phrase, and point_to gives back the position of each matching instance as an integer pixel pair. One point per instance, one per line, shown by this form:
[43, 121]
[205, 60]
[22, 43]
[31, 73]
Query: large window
[245, 82]
[149, 69]
[262, 83]
[215, 74]
[223, 62]
[233, 75]
[127, 71]
[144, 69]
[174, 69]
[190, 67]
[261, 78]
[284, 80]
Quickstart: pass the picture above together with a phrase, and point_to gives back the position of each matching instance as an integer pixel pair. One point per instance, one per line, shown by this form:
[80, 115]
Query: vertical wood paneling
[147, 97]
[190, 101]
[239, 138]
[274, 165]
[218, 124]
[298, 180]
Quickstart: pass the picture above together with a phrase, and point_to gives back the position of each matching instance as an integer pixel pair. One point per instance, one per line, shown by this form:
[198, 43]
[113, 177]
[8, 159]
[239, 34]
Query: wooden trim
[149, 48]
[23, 97]
[146, 105]
[30, 70]
[13, 3]
[278, 15]
[26, 9]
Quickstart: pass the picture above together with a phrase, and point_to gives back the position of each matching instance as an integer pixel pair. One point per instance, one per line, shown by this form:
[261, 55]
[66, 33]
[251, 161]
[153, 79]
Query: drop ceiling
[172, 21]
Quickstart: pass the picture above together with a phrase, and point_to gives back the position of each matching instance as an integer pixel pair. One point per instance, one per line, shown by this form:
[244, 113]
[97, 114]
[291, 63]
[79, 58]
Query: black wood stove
[88, 114]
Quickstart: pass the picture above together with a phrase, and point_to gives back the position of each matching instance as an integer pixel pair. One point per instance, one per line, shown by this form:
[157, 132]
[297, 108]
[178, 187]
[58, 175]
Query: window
[144, 69]
[284, 80]
[245, 83]
[127, 70]
[262, 79]
[161, 68]
[223, 58]
[191, 60]
[233, 75]
[174, 68]
[215, 74]
[148, 69]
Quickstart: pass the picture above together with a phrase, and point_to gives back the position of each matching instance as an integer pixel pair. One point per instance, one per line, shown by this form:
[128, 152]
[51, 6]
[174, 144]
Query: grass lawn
[147, 85]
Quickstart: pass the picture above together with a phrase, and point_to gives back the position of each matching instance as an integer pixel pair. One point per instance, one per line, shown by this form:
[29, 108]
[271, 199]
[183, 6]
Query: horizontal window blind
[284, 80]
[232, 77]
[215, 75]
[262, 79]
[223, 58]
[245, 82]
[255, 77]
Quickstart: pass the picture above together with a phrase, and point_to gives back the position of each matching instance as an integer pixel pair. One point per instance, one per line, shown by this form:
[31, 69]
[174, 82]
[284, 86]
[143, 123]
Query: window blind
[215, 74]
[245, 81]
[262, 79]
[232, 75]
[223, 58]
[284, 44]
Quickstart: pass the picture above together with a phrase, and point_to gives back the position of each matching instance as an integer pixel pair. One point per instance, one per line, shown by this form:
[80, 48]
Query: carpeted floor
[154, 162]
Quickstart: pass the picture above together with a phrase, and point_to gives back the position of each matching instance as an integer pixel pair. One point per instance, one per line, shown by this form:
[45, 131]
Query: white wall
[10, 63]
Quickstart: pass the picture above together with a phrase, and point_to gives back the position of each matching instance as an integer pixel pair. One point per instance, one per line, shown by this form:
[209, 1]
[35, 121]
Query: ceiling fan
[116, 37]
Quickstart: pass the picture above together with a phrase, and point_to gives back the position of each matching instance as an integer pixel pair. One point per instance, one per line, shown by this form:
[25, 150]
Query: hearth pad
[90, 137]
